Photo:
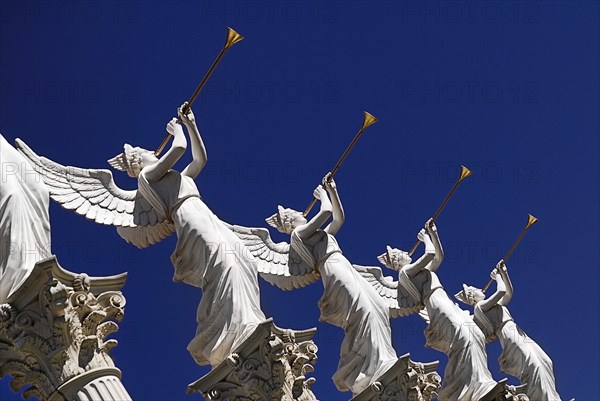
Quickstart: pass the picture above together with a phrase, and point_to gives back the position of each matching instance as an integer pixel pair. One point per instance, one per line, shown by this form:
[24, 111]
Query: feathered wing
[408, 305]
[385, 286]
[395, 295]
[277, 263]
[144, 236]
[93, 193]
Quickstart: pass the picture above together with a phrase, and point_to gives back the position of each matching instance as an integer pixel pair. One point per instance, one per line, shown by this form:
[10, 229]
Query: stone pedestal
[271, 365]
[53, 335]
[404, 381]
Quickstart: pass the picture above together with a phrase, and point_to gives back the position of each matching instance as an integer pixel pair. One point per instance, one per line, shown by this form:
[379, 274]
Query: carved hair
[392, 258]
[282, 220]
[468, 294]
[130, 160]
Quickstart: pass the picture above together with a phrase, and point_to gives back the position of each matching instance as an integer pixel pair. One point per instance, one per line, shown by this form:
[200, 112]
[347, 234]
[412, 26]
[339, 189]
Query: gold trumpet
[464, 173]
[232, 38]
[531, 220]
[368, 120]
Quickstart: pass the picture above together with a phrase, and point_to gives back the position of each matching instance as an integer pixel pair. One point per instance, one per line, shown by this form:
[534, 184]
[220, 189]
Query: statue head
[285, 220]
[133, 160]
[394, 258]
[470, 295]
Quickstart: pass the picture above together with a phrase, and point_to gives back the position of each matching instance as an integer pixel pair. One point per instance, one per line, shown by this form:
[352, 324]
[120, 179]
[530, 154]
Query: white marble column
[99, 384]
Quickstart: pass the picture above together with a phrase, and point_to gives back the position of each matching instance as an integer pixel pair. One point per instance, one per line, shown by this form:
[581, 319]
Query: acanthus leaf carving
[270, 365]
[404, 381]
[55, 327]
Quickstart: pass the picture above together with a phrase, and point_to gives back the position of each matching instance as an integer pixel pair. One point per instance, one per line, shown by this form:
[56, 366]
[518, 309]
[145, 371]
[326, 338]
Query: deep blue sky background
[510, 89]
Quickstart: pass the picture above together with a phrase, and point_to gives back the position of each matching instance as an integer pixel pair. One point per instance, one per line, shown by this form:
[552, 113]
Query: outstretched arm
[437, 245]
[415, 268]
[496, 297]
[501, 267]
[157, 170]
[306, 230]
[199, 156]
[336, 203]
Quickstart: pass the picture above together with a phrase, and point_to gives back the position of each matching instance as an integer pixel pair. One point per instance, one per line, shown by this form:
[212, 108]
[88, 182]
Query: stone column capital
[271, 364]
[54, 329]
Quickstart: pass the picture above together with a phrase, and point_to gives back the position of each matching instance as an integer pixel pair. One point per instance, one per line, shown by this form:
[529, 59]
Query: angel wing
[385, 286]
[93, 193]
[277, 263]
[399, 301]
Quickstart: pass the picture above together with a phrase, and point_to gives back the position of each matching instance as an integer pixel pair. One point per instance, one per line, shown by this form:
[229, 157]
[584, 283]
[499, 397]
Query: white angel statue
[521, 356]
[24, 220]
[208, 255]
[450, 329]
[348, 301]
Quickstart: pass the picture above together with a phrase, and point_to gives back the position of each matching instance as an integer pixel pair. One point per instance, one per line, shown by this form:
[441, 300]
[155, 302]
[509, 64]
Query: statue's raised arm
[521, 356]
[199, 156]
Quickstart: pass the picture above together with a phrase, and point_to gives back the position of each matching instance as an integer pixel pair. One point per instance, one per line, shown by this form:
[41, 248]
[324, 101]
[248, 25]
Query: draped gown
[521, 356]
[209, 256]
[351, 303]
[24, 220]
[452, 331]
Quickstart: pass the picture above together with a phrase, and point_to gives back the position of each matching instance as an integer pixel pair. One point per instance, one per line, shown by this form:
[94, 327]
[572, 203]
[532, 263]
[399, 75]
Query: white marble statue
[208, 255]
[24, 222]
[450, 329]
[348, 301]
[521, 356]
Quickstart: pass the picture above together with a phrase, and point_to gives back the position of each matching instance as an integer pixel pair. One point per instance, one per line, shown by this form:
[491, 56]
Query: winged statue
[450, 329]
[359, 299]
[165, 202]
[521, 356]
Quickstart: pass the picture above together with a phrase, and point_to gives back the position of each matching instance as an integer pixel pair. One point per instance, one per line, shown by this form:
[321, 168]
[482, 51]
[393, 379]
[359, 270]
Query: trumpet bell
[464, 173]
[232, 38]
[531, 220]
[368, 120]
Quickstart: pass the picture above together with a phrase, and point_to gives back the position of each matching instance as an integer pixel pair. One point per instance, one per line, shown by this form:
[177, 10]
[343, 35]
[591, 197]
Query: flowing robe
[351, 303]
[210, 256]
[452, 331]
[521, 356]
[24, 221]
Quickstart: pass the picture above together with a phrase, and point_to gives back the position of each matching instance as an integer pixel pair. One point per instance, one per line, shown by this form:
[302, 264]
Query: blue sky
[509, 89]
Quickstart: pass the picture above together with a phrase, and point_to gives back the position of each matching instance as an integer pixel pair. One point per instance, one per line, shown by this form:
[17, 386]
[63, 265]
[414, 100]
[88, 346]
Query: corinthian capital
[54, 331]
